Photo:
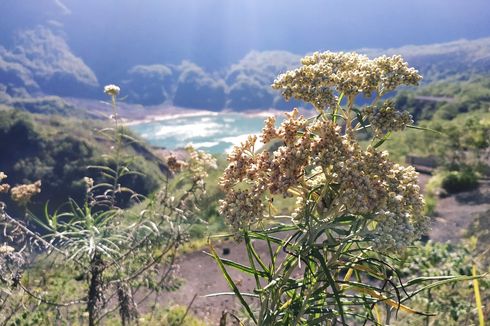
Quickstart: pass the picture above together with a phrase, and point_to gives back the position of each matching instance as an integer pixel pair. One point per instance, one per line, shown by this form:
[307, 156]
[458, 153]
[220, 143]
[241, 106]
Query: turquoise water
[212, 132]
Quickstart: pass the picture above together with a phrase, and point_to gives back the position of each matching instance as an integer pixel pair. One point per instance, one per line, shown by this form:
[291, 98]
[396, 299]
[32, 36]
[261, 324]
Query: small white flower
[112, 90]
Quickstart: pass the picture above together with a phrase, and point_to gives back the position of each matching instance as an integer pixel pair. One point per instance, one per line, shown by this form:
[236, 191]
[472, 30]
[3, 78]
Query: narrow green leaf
[446, 281]
[425, 129]
[230, 282]
[245, 294]
[101, 167]
[331, 282]
[334, 114]
[255, 254]
[361, 120]
[240, 267]
[385, 138]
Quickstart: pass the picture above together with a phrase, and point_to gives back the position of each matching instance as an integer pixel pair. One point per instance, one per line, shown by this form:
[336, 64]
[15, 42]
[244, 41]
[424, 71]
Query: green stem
[348, 120]
[251, 260]
[376, 99]
[117, 159]
[427, 309]
[276, 292]
[304, 303]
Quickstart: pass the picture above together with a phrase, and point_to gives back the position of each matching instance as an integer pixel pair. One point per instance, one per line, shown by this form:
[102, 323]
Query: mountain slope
[58, 150]
[39, 61]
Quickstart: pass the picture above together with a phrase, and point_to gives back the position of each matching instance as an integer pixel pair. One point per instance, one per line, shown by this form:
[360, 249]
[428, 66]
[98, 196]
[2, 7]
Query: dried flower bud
[3, 187]
[174, 164]
[386, 118]
[22, 194]
[269, 132]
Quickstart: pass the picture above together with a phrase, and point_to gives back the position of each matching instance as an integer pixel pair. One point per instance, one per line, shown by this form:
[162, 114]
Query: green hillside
[445, 99]
[57, 150]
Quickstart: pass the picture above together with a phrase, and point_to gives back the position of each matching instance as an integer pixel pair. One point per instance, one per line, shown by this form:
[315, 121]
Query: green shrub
[453, 303]
[458, 181]
[172, 316]
[430, 205]
[177, 316]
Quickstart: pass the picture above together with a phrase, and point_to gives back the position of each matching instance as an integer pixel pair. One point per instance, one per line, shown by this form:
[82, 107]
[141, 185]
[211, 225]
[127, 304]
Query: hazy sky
[215, 33]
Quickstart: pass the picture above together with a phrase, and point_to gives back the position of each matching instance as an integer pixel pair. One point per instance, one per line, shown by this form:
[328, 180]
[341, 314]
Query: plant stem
[117, 148]
[95, 291]
[348, 120]
[429, 298]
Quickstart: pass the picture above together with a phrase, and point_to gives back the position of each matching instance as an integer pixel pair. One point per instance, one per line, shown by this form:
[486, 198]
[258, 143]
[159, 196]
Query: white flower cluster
[5, 249]
[322, 164]
[323, 76]
[12, 264]
[386, 118]
[242, 208]
[345, 179]
[199, 163]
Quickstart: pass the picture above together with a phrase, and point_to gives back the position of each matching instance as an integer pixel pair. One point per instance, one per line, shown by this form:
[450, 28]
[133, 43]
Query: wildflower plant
[17, 240]
[117, 253]
[330, 257]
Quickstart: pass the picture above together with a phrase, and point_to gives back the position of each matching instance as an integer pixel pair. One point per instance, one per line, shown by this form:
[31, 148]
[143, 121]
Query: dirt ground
[202, 277]
[455, 213]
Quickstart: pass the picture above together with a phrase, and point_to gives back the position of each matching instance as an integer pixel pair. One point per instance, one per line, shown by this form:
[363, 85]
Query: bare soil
[454, 214]
[202, 277]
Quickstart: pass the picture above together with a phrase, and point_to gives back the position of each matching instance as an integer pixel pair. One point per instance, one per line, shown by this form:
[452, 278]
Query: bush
[177, 316]
[171, 316]
[458, 181]
[430, 205]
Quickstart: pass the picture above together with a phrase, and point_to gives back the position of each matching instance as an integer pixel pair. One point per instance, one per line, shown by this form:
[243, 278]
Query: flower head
[89, 183]
[320, 161]
[112, 90]
[324, 76]
[4, 249]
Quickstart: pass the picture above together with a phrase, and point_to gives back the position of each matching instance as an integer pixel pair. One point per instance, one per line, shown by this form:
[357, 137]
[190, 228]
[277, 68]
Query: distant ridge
[440, 60]
[42, 63]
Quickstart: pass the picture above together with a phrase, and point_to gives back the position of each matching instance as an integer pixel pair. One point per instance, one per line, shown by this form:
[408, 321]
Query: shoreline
[135, 114]
[171, 113]
[163, 116]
